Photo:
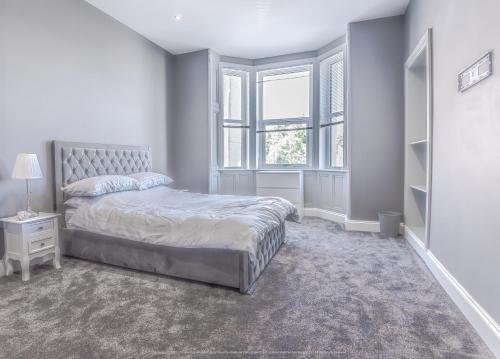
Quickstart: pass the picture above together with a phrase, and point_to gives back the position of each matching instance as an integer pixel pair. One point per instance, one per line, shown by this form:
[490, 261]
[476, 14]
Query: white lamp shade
[27, 167]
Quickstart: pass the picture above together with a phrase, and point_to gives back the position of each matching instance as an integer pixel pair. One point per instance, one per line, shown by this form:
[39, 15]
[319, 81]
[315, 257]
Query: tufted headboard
[74, 161]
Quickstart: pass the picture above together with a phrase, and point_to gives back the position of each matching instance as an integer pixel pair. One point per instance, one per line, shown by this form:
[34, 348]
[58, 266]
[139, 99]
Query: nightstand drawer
[38, 227]
[33, 237]
[40, 245]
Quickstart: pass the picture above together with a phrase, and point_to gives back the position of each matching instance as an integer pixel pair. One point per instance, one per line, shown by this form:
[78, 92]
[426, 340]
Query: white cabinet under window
[285, 184]
[324, 190]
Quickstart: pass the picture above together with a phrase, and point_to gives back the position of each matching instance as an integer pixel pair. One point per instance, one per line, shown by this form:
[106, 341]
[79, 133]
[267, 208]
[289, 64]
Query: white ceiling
[245, 28]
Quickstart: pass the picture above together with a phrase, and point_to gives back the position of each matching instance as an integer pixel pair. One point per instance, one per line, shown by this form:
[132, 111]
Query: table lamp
[27, 168]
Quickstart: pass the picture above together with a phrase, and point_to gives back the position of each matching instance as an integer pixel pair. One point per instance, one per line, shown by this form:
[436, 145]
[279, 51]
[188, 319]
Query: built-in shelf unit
[419, 188]
[418, 141]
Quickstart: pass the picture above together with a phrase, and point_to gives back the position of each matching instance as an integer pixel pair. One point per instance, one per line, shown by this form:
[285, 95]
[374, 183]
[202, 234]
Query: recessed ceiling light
[178, 17]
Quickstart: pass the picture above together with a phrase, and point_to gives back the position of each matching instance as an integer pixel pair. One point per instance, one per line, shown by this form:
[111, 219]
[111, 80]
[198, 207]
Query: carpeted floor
[326, 294]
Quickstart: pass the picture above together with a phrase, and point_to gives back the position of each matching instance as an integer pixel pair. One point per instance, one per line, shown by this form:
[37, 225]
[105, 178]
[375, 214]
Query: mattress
[164, 216]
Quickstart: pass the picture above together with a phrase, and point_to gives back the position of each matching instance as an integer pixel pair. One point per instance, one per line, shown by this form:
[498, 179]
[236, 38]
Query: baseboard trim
[487, 328]
[362, 226]
[350, 224]
[415, 242]
[325, 214]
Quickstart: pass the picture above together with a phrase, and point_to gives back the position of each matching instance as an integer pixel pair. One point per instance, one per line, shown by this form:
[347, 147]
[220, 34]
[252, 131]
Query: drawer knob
[40, 228]
[42, 244]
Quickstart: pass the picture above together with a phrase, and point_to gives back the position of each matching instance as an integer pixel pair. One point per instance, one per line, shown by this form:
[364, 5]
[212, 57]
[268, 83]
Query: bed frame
[74, 161]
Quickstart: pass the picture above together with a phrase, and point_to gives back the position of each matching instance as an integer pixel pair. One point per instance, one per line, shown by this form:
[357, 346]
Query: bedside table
[31, 238]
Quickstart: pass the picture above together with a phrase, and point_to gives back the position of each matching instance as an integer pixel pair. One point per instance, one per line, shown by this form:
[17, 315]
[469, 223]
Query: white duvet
[165, 216]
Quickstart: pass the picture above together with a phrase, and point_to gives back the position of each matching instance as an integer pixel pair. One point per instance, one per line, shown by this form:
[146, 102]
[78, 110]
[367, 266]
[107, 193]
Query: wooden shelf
[419, 143]
[419, 188]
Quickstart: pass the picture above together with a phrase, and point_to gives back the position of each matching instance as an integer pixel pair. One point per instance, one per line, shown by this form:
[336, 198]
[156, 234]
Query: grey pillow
[147, 180]
[97, 186]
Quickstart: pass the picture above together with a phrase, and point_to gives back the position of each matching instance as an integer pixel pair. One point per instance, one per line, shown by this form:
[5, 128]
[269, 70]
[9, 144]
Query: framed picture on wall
[476, 72]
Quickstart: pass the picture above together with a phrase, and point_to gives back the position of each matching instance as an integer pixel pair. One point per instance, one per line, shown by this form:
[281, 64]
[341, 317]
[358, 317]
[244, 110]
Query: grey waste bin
[389, 223]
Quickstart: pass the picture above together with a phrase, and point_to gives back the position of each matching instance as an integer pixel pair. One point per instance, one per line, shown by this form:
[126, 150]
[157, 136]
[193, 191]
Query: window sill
[234, 169]
[343, 170]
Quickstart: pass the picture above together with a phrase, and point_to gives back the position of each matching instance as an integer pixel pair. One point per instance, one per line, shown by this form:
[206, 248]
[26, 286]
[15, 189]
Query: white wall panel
[237, 182]
[339, 196]
[227, 183]
[325, 194]
[310, 180]
[245, 183]
[322, 189]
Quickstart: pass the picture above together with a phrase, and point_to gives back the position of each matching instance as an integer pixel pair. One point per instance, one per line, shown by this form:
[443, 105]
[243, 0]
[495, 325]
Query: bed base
[223, 267]
[75, 161]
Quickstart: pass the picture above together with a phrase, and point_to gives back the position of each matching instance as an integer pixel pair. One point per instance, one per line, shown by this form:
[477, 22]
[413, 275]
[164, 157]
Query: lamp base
[24, 215]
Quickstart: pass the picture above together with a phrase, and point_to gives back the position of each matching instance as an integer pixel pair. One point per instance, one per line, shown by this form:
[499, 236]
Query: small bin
[389, 223]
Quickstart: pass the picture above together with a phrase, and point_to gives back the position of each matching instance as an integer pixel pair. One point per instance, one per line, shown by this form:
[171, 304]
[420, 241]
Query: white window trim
[246, 119]
[327, 135]
[317, 146]
[261, 164]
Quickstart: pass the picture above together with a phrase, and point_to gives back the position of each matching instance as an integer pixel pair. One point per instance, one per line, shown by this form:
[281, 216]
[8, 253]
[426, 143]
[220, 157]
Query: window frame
[245, 122]
[278, 68]
[325, 109]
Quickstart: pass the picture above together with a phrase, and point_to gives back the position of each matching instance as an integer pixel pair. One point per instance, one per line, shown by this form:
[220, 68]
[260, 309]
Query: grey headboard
[74, 161]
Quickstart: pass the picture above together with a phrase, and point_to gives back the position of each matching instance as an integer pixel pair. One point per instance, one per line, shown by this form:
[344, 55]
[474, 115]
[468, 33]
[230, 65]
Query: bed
[222, 240]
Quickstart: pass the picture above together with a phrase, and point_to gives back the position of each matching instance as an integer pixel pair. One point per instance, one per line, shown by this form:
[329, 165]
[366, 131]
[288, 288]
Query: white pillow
[147, 180]
[96, 186]
[77, 202]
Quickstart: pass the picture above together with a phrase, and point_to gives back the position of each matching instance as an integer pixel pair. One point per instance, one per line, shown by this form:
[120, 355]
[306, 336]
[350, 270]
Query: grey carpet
[326, 294]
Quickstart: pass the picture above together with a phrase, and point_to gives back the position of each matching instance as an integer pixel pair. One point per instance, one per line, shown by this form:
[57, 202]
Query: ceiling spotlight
[178, 17]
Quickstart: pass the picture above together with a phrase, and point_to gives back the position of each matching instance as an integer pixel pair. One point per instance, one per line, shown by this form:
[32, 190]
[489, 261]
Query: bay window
[332, 110]
[284, 120]
[269, 119]
[235, 125]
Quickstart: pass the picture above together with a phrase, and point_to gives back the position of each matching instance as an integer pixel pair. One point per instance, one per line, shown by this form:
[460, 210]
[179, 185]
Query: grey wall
[190, 126]
[376, 110]
[465, 205]
[70, 72]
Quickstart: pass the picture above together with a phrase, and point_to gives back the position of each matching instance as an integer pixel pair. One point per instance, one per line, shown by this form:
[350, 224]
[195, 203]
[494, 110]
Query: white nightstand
[30, 238]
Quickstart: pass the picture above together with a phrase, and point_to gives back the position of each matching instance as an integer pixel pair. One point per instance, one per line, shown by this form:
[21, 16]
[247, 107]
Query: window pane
[337, 145]
[287, 147]
[285, 95]
[232, 146]
[232, 97]
[337, 87]
[337, 119]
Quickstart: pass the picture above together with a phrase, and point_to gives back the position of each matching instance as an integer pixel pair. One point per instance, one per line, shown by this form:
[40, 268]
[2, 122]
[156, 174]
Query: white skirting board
[484, 324]
[350, 224]
[324, 214]
[361, 226]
